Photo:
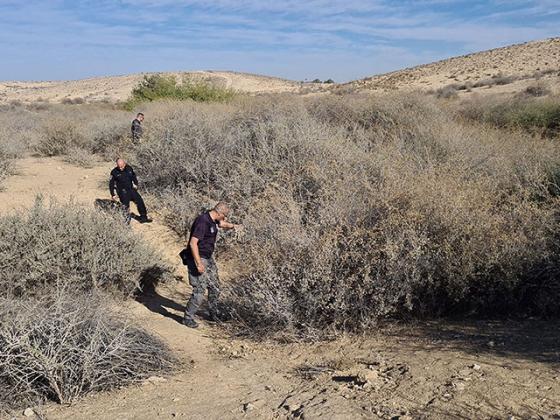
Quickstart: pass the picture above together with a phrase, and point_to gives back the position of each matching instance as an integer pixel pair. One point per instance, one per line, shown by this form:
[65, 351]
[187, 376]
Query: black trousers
[126, 196]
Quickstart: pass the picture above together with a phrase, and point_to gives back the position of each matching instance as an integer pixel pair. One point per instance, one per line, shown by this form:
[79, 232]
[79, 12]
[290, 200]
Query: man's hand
[200, 267]
[135, 186]
[114, 198]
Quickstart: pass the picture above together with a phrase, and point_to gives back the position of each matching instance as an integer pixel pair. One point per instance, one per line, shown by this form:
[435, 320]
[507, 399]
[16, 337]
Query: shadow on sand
[529, 339]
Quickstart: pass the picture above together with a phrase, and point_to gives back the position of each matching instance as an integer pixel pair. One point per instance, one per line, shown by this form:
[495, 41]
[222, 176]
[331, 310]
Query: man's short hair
[221, 208]
[139, 114]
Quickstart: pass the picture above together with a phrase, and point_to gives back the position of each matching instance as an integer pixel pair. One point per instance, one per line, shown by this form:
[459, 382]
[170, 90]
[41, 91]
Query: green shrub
[48, 246]
[157, 87]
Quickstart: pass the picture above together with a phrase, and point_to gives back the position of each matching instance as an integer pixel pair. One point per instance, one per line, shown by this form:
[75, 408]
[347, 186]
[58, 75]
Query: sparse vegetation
[536, 90]
[157, 87]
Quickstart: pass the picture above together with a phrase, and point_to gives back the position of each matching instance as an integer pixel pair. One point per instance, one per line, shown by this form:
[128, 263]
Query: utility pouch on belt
[185, 255]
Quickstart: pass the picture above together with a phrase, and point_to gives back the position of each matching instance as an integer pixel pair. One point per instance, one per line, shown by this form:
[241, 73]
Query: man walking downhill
[124, 180]
[136, 128]
[203, 272]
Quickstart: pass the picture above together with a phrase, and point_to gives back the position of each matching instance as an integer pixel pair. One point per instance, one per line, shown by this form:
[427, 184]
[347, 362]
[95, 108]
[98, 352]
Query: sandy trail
[428, 370]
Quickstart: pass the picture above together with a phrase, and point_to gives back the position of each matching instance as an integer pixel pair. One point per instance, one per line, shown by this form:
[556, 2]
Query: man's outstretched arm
[227, 225]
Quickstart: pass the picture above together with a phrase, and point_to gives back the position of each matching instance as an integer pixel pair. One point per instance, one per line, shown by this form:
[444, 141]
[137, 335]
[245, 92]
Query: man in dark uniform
[203, 272]
[136, 128]
[124, 180]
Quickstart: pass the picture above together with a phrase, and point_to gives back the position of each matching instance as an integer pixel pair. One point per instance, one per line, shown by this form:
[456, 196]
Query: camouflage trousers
[200, 282]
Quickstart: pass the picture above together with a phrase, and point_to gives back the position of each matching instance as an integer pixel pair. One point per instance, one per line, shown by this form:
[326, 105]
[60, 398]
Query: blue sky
[296, 39]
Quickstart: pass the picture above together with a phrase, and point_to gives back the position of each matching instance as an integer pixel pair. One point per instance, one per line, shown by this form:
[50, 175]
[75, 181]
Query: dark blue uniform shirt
[205, 230]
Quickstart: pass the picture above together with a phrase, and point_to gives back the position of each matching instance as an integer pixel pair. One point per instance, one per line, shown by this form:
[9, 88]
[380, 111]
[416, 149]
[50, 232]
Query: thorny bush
[360, 207]
[52, 245]
[64, 346]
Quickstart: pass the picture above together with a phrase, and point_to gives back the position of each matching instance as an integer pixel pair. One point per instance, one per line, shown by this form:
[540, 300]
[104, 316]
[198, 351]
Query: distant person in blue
[198, 257]
[124, 184]
[136, 129]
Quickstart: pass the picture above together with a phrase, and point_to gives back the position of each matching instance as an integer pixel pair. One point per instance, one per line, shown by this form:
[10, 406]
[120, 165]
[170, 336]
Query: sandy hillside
[424, 370]
[118, 88]
[524, 62]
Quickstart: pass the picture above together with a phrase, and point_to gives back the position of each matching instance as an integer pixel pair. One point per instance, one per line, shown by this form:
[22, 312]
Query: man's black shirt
[136, 129]
[122, 180]
[205, 230]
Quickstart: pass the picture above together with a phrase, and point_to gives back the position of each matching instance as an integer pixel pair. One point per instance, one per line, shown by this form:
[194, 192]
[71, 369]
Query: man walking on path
[203, 272]
[136, 128]
[124, 180]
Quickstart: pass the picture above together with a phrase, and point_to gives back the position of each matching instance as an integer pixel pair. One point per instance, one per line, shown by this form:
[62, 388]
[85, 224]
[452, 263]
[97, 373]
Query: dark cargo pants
[200, 282]
[125, 197]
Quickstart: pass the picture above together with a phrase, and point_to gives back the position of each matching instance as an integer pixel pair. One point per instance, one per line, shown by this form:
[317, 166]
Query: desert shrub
[65, 346]
[80, 157]
[357, 208]
[156, 87]
[496, 80]
[536, 115]
[54, 130]
[58, 137]
[107, 133]
[5, 164]
[75, 101]
[447, 92]
[53, 244]
[538, 89]
[20, 130]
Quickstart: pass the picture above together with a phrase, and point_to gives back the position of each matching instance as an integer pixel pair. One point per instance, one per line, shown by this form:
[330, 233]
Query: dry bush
[6, 164]
[537, 115]
[537, 89]
[52, 245]
[79, 156]
[447, 92]
[60, 129]
[20, 130]
[496, 80]
[58, 137]
[64, 346]
[361, 207]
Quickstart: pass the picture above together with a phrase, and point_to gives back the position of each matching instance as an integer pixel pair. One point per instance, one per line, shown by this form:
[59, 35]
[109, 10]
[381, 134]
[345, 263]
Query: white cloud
[366, 36]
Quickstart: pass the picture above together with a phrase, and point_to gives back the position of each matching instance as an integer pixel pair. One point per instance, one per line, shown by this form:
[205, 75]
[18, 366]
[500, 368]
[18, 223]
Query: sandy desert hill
[501, 70]
[118, 88]
[516, 65]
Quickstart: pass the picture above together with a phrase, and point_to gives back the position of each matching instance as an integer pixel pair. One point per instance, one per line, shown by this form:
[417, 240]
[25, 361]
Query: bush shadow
[529, 339]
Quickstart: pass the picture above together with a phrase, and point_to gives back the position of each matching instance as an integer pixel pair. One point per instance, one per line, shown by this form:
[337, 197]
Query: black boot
[189, 322]
[144, 219]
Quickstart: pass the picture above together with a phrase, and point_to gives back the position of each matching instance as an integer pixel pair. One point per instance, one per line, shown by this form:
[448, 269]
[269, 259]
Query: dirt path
[430, 370]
